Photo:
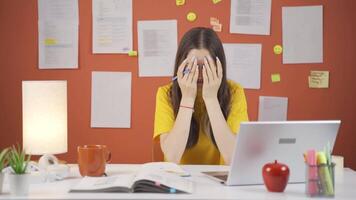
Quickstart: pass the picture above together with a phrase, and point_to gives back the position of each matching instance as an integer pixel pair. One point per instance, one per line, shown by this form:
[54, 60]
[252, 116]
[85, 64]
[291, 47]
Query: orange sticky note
[276, 78]
[214, 21]
[217, 27]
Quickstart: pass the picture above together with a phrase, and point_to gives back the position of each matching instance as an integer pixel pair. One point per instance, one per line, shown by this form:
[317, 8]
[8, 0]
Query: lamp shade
[44, 117]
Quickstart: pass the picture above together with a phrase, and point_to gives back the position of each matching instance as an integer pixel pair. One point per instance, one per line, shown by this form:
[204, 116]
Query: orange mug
[92, 159]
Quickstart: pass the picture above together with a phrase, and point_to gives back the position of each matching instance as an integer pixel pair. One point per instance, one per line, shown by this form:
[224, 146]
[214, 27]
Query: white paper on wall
[112, 26]
[157, 46]
[111, 100]
[302, 29]
[243, 64]
[250, 17]
[273, 108]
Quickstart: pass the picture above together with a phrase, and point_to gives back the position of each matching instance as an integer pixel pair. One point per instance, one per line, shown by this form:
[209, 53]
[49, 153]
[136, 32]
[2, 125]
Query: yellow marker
[216, 1]
[276, 78]
[277, 49]
[191, 16]
[325, 175]
[132, 53]
[180, 2]
[50, 41]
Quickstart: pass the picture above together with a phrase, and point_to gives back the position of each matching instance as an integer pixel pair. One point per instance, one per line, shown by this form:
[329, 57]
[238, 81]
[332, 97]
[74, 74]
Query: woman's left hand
[212, 76]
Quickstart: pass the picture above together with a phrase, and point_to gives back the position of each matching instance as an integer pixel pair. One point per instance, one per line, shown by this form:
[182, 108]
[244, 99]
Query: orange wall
[19, 61]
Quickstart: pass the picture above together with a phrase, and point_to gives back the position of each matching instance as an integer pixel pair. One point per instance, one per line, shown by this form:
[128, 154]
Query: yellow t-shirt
[204, 152]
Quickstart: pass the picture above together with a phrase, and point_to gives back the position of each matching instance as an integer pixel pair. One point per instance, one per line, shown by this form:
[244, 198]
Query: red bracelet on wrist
[187, 107]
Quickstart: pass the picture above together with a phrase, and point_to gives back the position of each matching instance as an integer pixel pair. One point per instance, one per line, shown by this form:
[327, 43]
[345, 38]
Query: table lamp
[44, 117]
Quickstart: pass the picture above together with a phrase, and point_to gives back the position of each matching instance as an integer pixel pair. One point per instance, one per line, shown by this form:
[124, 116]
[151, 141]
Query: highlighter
[324, 174]
[312, 173]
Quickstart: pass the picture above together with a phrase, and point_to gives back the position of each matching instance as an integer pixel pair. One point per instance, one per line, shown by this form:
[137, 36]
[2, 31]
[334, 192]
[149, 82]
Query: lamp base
[49, 159]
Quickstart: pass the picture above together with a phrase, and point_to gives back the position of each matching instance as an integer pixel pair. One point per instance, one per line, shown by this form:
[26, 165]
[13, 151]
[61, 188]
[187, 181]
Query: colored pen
[324, 174]
[186, 71]
[312, 173]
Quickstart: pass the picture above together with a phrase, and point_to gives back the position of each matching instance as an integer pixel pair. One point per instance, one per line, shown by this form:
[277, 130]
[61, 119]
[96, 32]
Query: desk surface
[205, 188]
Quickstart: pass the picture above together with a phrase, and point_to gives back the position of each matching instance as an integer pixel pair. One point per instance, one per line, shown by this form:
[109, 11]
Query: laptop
[258, 143]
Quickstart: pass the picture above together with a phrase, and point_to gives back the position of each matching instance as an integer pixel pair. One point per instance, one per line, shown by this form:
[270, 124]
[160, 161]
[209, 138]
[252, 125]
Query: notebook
[151, 178]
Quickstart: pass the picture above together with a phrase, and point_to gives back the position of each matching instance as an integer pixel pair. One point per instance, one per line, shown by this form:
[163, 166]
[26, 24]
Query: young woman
[198, 114]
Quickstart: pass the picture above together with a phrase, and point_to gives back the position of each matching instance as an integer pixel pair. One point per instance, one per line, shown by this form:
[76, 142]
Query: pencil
[186, 71]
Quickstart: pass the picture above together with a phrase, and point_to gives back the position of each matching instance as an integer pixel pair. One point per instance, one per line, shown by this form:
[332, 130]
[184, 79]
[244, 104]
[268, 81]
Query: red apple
[275, 176]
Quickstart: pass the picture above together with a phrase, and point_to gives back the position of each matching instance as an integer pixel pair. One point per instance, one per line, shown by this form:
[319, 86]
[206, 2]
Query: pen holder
[320, 180]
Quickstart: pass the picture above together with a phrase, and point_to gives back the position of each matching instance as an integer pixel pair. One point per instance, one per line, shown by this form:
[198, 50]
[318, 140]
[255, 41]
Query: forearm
[173, 144]
[224, 137]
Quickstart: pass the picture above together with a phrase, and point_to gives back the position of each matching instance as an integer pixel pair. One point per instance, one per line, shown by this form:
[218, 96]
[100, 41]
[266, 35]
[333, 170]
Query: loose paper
[111, 100]
[216, 25]
[112, 26]
[157, 45]
[53, 10]
[250, 17]
[302, 29]
[272, 108]
[58, 34]
[58, 45]
[243, 63]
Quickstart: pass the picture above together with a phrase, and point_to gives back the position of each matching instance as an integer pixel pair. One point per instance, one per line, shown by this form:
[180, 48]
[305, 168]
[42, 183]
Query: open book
[152, 177]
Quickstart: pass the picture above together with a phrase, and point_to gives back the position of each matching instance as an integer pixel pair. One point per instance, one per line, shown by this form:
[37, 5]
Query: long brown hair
[201, 38]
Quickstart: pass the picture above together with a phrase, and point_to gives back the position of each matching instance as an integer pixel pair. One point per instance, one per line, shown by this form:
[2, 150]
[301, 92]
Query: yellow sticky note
[50, 41]
[313, 82]
[277, 49]
[276, 78]
[180, 2]
[191, 16]
[318, 79]
[132, 53]
[216, 1]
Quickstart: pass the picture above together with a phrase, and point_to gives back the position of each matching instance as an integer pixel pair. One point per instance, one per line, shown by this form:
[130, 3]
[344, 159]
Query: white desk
[205, 188]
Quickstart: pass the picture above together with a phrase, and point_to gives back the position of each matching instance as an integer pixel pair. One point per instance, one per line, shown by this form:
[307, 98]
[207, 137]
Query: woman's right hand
[188, 82]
